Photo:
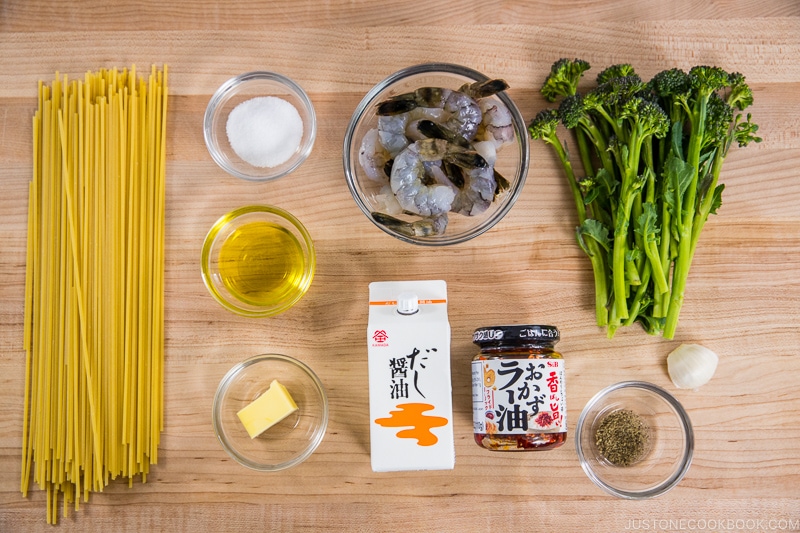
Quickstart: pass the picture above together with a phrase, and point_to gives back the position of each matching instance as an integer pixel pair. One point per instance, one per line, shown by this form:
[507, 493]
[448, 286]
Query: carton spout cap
[407, 303]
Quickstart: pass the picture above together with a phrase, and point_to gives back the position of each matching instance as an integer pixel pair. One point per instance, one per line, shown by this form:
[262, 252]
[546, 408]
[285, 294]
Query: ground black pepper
[622, 437]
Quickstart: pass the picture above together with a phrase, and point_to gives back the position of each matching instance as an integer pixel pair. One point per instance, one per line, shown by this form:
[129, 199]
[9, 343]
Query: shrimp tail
[482, 89]
[502, 183]
[468, 159]
[433, 97]
[433, 130]
[424, 227]
[395, 107]
[440, 149]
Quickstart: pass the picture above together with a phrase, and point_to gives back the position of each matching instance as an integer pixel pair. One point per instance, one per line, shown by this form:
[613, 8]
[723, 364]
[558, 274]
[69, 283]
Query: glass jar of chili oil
[518, 396]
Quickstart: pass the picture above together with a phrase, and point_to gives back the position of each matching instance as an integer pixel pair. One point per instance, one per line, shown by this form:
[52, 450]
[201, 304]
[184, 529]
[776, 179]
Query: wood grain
[743, 296]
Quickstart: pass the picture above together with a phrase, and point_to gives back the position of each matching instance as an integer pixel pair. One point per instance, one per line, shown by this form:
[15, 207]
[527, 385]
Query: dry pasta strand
[93, 319]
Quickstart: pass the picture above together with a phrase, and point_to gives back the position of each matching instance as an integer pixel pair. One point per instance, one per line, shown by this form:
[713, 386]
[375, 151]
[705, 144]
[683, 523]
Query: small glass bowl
[512, 160]
[290, 441]
[261, 277]
[244, 87]
[671, 442]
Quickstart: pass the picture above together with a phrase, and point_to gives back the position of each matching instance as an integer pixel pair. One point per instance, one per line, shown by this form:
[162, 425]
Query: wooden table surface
[743, 295]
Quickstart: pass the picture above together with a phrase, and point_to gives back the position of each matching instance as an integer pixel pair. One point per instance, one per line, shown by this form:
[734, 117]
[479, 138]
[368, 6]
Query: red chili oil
[518, 395]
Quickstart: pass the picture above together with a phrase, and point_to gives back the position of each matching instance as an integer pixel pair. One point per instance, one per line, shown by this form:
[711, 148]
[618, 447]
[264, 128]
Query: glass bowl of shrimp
[436, 154]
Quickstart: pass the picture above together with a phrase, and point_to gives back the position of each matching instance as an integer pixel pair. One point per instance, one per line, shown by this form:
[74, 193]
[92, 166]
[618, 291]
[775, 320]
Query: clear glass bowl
[242, 88]
[671, 442]
[258, 260]
[290, 441]
[512, 160]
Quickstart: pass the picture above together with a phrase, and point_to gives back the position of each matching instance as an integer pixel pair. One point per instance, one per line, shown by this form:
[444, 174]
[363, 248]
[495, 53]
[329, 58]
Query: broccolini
[651, 155]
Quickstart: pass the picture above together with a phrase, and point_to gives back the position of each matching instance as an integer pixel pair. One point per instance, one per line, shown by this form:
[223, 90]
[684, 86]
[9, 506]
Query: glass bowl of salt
[259, 126]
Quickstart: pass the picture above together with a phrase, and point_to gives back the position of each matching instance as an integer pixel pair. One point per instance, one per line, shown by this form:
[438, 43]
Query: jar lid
[523, 334]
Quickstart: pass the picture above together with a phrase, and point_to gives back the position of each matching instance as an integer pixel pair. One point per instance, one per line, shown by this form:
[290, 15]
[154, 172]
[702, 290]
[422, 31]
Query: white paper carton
[410, 397]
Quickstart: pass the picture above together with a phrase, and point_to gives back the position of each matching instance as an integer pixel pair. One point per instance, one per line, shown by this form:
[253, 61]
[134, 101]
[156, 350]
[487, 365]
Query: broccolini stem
[600, 283]
[595, 252]
[585, 154]
[638, 240]
[654, 263]
[577, 196]
[687, 255]
[707, 201]
[618, 255]
[622, 221]
[685, 248]
[636, 304]
[661, 303]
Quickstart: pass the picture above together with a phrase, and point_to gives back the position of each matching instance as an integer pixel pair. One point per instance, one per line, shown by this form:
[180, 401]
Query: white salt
[265, 131]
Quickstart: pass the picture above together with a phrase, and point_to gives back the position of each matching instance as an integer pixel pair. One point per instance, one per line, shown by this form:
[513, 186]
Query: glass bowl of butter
[270, 412]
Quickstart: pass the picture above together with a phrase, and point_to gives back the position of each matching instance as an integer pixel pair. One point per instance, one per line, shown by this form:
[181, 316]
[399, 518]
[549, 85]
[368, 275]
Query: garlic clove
[691, 366]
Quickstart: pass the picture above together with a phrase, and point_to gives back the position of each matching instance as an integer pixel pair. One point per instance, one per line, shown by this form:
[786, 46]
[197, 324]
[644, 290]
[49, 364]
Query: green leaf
[631, 271]
[646, 224]
[632, 255]
[682, 172]
[716, 201]
[596, 230]
[678, 176]
[677, 140]
[591, 195]
[652, 325]
[607, 181]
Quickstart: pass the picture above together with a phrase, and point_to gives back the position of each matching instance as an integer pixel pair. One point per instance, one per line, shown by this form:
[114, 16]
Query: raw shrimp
[424, 227]
[397, 131]
[478, 186]
[419, 188]
[392, 133]
[418, 115]
[476, 191]
[463, 114]
[373, 157]
[496, 124]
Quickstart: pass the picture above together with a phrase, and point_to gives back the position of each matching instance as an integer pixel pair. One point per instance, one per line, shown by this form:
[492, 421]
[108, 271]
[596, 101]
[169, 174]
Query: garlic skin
[691, 366]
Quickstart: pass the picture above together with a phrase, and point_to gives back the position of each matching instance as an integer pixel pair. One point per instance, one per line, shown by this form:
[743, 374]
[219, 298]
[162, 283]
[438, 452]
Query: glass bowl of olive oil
[258, 260]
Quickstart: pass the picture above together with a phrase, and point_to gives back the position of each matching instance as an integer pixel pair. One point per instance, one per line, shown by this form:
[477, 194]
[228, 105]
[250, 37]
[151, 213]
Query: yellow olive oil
[262, 263]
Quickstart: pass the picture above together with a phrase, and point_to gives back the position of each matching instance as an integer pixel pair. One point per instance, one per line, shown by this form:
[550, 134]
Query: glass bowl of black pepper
[634, 440]
[259, 126]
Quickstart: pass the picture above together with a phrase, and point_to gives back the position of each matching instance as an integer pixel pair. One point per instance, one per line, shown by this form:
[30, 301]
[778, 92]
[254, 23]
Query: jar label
[518, 396]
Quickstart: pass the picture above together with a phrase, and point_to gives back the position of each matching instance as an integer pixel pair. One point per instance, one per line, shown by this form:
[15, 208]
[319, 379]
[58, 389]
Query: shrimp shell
[414, 196]
[372, 156]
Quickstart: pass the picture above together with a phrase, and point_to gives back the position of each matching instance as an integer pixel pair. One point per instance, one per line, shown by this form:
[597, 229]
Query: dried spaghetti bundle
[94, 314]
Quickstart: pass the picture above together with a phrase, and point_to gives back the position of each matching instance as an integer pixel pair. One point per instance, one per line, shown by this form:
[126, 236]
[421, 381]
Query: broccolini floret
[621, 70]
[740, 95]
[563, 78]
[671, 83]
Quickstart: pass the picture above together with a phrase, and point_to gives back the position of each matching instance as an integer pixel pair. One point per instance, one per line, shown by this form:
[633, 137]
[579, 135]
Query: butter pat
[267, 410]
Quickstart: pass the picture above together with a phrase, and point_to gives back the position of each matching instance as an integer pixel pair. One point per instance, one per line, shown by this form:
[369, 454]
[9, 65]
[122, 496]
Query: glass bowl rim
[216, 416]
[684, 422]
[441, 68]
[218, 226]
[222, 94]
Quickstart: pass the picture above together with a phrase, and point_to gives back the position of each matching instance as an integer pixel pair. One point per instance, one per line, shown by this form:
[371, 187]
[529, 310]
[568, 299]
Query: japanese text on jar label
[518, 396]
